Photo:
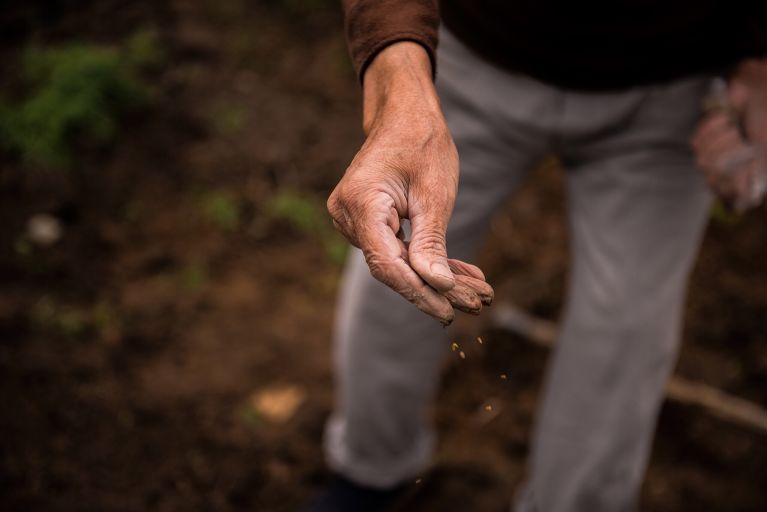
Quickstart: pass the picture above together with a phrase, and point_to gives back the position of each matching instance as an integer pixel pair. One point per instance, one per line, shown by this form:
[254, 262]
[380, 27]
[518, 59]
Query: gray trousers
[637, 208]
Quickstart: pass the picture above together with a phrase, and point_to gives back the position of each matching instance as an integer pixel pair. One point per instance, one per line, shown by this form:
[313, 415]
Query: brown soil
[129, 351]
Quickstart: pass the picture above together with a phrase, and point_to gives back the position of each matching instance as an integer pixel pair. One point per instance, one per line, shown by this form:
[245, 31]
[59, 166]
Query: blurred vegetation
[250, 416]
[72, 322]
[30, 258]
[723, 216]
[307, 215]
[228, 119]
[194, 277]
[301, 211]
[221, 209]
[75, 94]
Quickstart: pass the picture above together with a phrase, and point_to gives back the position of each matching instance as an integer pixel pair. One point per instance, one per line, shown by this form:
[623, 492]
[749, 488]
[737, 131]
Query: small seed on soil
[462, 354]
[488, 407]
[504, 376]
[454, 346]
[479, 340]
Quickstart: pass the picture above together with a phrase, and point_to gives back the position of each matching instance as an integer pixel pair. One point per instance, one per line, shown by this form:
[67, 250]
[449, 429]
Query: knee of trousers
[387, 365]
[615, 351]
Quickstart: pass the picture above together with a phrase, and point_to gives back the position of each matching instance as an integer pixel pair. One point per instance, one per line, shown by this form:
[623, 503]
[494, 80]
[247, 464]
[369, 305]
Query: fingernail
[440, 269]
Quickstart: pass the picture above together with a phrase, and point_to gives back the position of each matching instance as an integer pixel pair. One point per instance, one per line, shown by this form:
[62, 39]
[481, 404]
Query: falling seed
[488, 407]
[479, 340]
[462, 354]
[454, 346]
[417, 481]
[503, 376]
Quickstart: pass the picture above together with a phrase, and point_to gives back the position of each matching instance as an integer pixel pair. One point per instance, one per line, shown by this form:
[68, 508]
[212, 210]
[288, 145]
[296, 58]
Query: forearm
[408, 166]
[748, 94]
[752, 71]
[398, 89]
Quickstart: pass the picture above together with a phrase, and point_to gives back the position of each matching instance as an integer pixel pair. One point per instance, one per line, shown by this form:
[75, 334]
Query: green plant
[336, 248]
[75, 94]
[75, 321]
[49, 316]
[250, 417]
[301, 211]
[720, 214]
[103, 316]
[194, 277]
[221, 209]
[143, 50]
[228, 120]
[30, 258]
[307, 214]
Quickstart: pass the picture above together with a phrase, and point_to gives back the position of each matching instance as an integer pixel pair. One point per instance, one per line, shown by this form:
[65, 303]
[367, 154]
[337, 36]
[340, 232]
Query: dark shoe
[343, 495]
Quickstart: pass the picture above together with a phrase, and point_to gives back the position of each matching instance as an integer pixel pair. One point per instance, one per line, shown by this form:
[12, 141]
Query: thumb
[427, 252]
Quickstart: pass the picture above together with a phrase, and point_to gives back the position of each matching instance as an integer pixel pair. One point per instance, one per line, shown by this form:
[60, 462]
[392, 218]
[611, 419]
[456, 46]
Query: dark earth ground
[129, 352]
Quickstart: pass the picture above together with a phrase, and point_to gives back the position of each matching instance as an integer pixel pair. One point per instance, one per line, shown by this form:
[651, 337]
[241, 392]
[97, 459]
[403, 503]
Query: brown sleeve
[371, 25]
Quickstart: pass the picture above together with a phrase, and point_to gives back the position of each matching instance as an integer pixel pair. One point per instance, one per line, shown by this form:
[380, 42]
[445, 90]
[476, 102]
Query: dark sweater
[589, 45]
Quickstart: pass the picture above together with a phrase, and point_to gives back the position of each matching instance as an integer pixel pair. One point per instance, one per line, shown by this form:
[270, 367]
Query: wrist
[752, 70]
[748, 96]
[399, 81]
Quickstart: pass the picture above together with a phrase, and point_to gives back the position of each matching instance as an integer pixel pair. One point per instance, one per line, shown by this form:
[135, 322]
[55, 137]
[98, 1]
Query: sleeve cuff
[372, 25]
[365, 59]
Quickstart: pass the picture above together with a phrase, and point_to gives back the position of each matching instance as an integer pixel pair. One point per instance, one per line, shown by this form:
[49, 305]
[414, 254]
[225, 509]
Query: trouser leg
[388, 356]
[637, 210]
[388, 353]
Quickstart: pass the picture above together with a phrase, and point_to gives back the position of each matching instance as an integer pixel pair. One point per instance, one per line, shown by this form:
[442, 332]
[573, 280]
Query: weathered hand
[733, 169]
[731, 142]
[406, 169]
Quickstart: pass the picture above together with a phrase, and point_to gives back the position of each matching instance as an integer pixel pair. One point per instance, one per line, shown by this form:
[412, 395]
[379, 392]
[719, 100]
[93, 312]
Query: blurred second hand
[753, 158]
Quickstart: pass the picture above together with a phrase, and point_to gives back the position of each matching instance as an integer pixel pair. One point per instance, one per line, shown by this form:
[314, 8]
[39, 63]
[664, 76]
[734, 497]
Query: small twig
[714, 401]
